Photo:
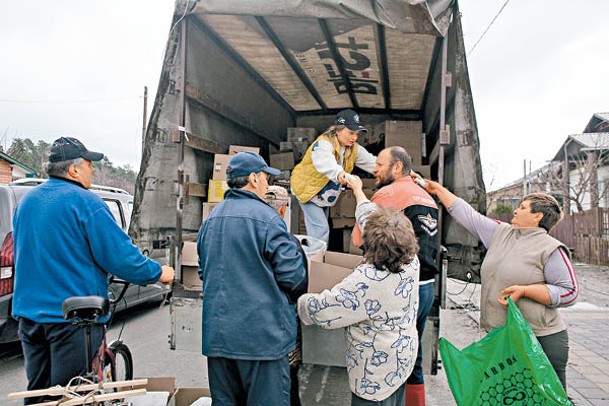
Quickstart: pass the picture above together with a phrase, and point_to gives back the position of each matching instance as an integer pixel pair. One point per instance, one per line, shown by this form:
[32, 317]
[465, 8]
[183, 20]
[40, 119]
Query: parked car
[120, 203]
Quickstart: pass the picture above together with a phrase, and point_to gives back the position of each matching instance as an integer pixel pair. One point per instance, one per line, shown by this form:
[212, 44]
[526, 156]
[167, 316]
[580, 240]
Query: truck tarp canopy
[305, 49]
[241, 72]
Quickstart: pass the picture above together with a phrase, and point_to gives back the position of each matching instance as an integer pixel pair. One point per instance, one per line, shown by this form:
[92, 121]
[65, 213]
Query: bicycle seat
[85, 307]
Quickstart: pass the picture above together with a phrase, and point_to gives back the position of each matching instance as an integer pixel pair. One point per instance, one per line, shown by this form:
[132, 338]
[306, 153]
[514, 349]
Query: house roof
[598, 123]
[583, 142]
[15, 162]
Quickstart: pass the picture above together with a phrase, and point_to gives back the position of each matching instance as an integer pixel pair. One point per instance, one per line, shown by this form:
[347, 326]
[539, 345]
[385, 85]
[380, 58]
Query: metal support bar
[289, 58]
[384, 71]
[339, 62]
[177, 242]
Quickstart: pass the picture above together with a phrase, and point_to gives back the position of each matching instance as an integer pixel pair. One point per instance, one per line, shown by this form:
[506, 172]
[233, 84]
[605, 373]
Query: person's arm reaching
[365, 160]
[480, 226]
[115, 253]
[324, 161]
[335, 308]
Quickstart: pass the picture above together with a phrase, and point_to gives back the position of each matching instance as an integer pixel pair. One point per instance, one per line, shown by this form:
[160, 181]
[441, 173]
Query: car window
[115, 208]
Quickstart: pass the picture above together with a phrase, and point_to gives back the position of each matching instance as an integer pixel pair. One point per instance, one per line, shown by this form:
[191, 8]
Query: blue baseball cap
[244, 163]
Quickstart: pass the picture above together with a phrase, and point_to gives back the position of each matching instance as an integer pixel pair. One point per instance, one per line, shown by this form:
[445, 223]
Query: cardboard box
[216, 190]
[320, 346]
[233, 149]
[407, 134]
[190, 265]
[306, 134]
[220, 164]
[178, 396]
[189, 254]
[184, 396]
[207, 208]
[284, 161]
[345, 206]
[343, 222]
[423, 170]
[334, 268]
[298, 148]
[348, 243]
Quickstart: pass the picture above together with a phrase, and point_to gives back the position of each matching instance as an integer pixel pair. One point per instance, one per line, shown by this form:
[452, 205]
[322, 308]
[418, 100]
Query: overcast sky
[74, 67]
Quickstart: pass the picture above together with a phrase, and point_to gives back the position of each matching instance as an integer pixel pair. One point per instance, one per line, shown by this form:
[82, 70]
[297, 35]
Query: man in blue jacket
[253, 274]
[67, 243]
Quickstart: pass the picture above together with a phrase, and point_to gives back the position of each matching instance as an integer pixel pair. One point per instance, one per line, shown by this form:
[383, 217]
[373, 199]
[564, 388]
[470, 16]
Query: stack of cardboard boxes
[217, 184]
[407, 134]
[293, 150]
[342, 215]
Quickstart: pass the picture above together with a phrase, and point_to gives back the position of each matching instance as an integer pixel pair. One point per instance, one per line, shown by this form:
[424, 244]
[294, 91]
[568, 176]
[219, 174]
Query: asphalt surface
[146, 330]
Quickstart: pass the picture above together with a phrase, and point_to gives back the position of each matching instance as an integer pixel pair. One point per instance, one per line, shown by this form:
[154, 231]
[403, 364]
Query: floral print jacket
[379, 312]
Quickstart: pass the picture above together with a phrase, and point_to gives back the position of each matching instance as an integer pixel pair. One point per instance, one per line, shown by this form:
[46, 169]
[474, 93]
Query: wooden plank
[60, 390]
[198, 142]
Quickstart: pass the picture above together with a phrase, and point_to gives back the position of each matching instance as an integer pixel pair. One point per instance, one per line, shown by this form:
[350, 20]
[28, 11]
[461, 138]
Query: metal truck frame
[241, 72]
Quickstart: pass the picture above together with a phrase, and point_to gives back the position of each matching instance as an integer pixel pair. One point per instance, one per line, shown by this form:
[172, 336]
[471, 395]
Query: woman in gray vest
[525, 263]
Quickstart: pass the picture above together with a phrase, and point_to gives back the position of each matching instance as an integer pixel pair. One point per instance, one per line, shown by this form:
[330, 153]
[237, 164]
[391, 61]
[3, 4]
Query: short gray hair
[60, 169]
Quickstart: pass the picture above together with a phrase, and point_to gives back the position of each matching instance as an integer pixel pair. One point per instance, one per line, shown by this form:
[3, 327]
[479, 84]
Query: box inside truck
[255, 74]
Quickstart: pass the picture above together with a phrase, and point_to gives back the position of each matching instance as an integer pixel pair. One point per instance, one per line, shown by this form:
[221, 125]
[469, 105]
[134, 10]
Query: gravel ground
[593, 283]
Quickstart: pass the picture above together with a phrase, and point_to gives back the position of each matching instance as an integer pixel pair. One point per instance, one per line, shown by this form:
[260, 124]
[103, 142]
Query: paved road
[146, 331]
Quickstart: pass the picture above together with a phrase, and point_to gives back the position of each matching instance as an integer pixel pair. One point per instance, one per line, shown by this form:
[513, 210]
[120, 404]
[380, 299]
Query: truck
[243, 72]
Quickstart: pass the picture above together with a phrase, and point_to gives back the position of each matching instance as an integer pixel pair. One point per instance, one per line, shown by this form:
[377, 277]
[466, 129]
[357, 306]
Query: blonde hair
[333, 130]
[389, 240]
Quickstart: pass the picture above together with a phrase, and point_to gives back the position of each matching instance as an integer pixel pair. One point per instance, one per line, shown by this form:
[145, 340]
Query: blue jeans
[316, 221]
[426, 297]
[54, 353]
[396, 399]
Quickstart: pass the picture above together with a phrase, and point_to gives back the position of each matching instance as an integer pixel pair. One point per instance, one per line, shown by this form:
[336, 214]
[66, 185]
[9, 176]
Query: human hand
[514, 291]
[167, 274]
[342, 178]
[354, 182]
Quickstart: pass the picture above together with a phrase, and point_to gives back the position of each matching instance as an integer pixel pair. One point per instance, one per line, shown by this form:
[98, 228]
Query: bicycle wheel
[118, 367]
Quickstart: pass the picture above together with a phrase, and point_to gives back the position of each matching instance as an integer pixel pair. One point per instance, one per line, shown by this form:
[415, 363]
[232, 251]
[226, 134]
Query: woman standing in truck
[319, 179]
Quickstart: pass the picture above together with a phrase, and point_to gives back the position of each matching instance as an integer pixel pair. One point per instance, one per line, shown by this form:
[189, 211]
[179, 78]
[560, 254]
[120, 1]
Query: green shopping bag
[507, 367]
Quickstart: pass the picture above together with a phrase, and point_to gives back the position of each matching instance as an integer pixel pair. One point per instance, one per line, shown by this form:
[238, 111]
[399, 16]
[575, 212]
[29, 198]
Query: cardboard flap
[342, 260]
[325, 276]
[189, 254]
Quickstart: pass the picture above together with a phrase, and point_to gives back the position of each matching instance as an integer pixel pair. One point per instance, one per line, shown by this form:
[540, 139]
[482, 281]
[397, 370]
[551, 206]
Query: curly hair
[389, 240]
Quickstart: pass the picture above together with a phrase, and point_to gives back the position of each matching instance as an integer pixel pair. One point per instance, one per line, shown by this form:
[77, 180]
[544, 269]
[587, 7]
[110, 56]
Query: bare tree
[576, 178]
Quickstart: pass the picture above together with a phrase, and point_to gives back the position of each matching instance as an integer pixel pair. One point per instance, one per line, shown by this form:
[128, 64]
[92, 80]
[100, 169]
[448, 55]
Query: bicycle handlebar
[114, 279]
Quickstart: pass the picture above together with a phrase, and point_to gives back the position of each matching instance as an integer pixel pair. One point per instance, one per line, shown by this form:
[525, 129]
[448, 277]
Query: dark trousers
[556, 347]
[253, 383]
[396, 399]
[54, 353]
[426, 297]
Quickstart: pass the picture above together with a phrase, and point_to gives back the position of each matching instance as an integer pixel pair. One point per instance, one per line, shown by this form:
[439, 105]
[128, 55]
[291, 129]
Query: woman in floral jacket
[377, 304]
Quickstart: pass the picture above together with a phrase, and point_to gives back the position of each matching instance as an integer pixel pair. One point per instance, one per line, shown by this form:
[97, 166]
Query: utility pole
[524, 179]
[145, 119]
